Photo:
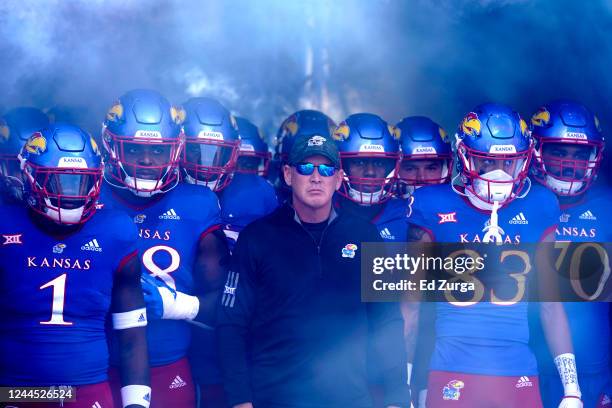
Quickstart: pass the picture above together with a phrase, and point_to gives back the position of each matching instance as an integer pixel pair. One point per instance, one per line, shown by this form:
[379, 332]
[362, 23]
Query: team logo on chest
[349, 251]
[59, 248]
[139, 218]
[564, 217]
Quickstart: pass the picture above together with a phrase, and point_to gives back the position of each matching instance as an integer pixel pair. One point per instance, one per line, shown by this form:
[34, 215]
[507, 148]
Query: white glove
[167, 303]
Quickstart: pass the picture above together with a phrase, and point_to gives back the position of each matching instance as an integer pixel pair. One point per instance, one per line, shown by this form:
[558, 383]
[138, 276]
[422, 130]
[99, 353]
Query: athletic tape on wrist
[136, 395]
[566, 365]
[184, 307]
[129, 319]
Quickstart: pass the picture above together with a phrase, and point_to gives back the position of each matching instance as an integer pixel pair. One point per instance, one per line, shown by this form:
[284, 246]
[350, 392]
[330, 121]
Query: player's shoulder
[541, 197]
[193, 201]
[112, 221]
[436, 197]
[13, 214]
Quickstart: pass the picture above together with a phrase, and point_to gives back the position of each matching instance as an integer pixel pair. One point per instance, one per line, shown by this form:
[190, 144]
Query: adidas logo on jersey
[519, 219]
[170, 215]
[605, 401]
[386, 234]
[177, 383]
[92, 246]
[96, 405]
[523, 382]
[588, 215]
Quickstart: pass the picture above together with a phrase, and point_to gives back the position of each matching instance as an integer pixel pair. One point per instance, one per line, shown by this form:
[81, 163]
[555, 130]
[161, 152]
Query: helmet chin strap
[63, 215]
[563, 187]
[189, 179]
[493, 232]
[371, 198]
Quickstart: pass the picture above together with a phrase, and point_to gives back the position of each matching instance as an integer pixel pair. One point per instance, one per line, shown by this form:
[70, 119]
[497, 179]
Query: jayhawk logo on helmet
[396, 132]
[4, 132]
[177, 114]
[290, 126]
[115, 113]
[524, 128]
[36, 144]
[443, 134]
[541, 117]
[342, 132]
[595, 119]
[94, 145]
[471, 124]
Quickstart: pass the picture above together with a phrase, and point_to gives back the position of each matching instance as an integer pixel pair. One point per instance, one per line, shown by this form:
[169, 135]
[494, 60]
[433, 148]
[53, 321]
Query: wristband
[129, 319]
[136, 395]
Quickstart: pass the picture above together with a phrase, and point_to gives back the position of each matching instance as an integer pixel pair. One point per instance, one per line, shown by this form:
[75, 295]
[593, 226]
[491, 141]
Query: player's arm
[556, 328]
[209, 272]
[129, 318]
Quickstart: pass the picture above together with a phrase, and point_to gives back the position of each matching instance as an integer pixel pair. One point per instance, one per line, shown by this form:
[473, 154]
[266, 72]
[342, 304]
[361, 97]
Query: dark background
[265, 59]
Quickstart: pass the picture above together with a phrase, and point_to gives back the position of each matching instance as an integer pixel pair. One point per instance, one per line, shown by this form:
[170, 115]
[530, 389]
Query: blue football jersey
[55, 297]
[469, 338]
[247, 198]
[588, 220]
[169, 229]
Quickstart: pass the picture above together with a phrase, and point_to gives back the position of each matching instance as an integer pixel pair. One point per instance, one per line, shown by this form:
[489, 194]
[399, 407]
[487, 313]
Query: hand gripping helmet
[493, 147]
[369, 156]
[568, 146]
[422, 139]
[253, 154]
[211, 143]
[15, 128]
[62, 169]
[142, 138]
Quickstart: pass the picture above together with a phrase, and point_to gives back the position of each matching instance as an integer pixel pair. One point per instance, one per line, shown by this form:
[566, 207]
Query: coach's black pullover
[292, 330]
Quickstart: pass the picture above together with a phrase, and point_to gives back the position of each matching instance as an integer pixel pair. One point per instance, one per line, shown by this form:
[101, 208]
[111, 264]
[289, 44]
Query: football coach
[292, 330]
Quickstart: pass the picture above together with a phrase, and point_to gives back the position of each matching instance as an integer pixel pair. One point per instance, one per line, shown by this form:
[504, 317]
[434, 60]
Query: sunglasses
[306, 169]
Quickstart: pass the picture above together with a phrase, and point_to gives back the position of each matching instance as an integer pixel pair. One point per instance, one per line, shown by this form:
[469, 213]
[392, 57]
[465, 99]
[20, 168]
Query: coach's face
[314, 190]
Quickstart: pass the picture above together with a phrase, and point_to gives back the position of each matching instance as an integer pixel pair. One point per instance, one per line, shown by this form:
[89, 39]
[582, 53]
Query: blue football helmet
[211, 143]
[253, 154]
[15, 128]
[62, 167]
[568, 147]
[493, 147]
[142, 138]
[369, 155]
[422, 140]
[303, 122]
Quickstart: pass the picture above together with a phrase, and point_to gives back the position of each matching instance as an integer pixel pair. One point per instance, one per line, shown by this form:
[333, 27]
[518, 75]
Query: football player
[181, 255]
[303, 122]
[63, 268]
[15, 127]
[249, 195]
[369, 156]
[426, 158]
[481, 354]
[568, 153]
[426, 155]
[211, 156]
